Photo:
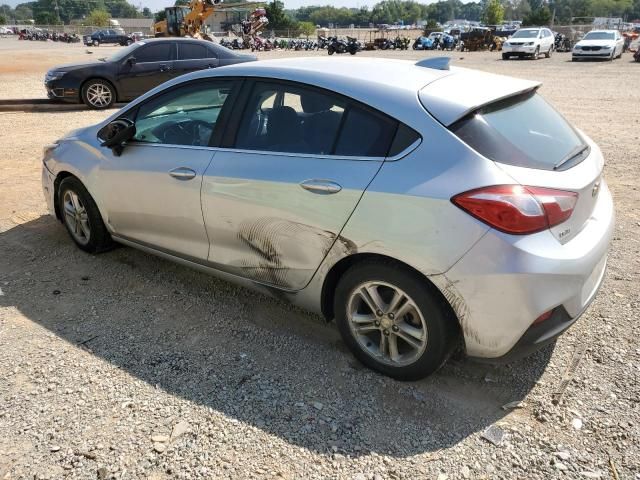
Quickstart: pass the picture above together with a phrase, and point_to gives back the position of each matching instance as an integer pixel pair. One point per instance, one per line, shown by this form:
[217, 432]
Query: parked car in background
[604, 44]
[137, 36]
[529, 42]
[370, 191]
[107, 37]
[5, 31]
[134, 70]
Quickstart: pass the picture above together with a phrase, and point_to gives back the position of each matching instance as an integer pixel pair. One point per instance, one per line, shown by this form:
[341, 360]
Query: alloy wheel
[99, 95]
[387, 323]
[76, 217]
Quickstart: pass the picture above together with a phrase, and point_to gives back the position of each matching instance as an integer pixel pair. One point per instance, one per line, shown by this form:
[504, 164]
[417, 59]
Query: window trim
[232, 129]
[206, 50]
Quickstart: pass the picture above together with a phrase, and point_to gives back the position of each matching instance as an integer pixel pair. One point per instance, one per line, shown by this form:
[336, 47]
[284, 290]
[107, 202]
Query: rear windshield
[524, 131]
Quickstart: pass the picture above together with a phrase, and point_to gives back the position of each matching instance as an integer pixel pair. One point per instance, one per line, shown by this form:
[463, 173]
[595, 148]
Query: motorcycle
[562, 43]
[337, 45]
[636, 55]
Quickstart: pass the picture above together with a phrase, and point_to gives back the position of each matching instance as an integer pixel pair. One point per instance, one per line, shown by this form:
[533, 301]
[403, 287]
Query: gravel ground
[124, 365]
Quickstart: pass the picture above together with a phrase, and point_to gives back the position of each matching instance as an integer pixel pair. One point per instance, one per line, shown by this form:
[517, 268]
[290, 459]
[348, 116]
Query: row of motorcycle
[44, 36]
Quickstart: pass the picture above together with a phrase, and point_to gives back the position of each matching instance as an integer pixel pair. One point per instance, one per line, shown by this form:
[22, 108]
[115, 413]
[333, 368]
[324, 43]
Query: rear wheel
[331, 50]
[548, 54]
[392, 321]
[98, 94]
[81, 217]
[505, 56]
[96, 43]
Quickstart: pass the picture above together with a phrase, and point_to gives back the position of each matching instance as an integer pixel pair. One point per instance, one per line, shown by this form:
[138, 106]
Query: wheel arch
[56, 189]
[340, 268]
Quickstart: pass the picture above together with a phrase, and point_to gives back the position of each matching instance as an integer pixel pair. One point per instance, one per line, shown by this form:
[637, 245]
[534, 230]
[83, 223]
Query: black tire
[99, 239]
[442, 329]
[95, 43]
[353, 51]
[331, 50]
[548, 54]
[536, 54]
[88, 100]
[506, 56]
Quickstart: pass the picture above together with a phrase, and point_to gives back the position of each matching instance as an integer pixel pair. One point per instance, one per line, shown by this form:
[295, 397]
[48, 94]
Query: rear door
[153, 66]
[193, 56]
[276, 200]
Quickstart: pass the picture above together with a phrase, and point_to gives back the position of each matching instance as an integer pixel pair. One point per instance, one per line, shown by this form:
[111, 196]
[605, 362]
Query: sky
[155, 5]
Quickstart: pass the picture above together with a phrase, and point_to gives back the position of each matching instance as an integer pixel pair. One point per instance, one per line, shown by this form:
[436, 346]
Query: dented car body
[309, 166]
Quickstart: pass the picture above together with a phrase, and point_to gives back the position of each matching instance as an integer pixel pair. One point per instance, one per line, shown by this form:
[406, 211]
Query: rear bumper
[504, 283]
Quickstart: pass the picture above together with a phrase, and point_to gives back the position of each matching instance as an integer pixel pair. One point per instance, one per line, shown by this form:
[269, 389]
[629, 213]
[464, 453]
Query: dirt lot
[127, 366]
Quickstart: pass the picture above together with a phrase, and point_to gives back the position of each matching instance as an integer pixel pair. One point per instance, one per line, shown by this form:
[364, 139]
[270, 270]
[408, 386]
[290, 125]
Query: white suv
[529, 42]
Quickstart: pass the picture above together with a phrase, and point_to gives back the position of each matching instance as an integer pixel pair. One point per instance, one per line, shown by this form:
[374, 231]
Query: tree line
[533, 12]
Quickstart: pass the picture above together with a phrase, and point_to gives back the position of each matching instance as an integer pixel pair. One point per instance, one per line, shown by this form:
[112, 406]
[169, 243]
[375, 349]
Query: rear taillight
[517, 209]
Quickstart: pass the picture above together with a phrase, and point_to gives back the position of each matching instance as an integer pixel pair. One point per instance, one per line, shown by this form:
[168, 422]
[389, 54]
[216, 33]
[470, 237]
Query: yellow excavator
[189, 20]
[186, 21]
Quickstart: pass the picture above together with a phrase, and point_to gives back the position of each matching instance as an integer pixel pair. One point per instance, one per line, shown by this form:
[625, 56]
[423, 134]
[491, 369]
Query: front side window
[186, 115]
[155, 52]
[297, 119]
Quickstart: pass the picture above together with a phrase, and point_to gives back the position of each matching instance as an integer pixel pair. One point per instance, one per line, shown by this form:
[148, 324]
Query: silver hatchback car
[424, 208]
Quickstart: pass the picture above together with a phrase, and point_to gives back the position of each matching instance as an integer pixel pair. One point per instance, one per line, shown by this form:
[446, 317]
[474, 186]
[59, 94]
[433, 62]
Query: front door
[147, 67]
[152, 191]
[276, 201]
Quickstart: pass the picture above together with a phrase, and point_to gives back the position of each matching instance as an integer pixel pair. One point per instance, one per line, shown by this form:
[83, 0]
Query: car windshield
[524, 131]
[599, 36]
[525, 34]
[124, 53]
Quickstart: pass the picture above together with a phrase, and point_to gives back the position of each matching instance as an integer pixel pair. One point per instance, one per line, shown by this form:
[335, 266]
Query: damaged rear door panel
[263, 223]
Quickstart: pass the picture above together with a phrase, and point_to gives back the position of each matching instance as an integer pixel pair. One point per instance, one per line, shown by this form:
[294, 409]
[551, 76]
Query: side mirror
[131, 61]
[115, 134]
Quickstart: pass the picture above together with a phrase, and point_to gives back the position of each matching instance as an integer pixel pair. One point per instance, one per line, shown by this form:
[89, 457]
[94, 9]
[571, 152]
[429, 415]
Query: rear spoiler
[455, 96]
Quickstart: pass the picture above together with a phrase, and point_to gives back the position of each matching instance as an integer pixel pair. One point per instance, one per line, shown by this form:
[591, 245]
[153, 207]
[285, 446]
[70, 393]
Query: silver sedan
[424, 208]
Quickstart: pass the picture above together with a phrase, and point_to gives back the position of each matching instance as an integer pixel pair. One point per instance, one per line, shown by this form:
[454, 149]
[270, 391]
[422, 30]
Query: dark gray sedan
[135, 70]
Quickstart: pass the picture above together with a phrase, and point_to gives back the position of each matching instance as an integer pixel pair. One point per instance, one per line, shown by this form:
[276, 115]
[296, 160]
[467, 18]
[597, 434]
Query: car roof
[602, 31]
[389, 85]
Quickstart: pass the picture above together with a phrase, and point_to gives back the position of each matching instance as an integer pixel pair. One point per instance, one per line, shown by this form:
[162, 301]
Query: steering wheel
[182, 133]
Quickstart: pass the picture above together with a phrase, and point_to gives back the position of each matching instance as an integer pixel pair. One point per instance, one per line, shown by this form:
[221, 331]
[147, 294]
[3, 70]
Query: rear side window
[524, 131]
[192, 51]
[405, 137]
[365, 134]
[298, 119]
[155, 52]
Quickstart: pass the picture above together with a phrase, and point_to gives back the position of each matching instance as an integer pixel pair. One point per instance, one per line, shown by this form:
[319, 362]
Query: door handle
[324, 187]
[182, 173]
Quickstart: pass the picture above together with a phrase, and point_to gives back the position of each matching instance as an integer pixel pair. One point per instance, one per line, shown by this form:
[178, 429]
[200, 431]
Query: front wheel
[548, 54]
[98, 94]
[393, 321]
[81, 217]
[96, 43]
[505, 56]
[331, 50]
[536, 54]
